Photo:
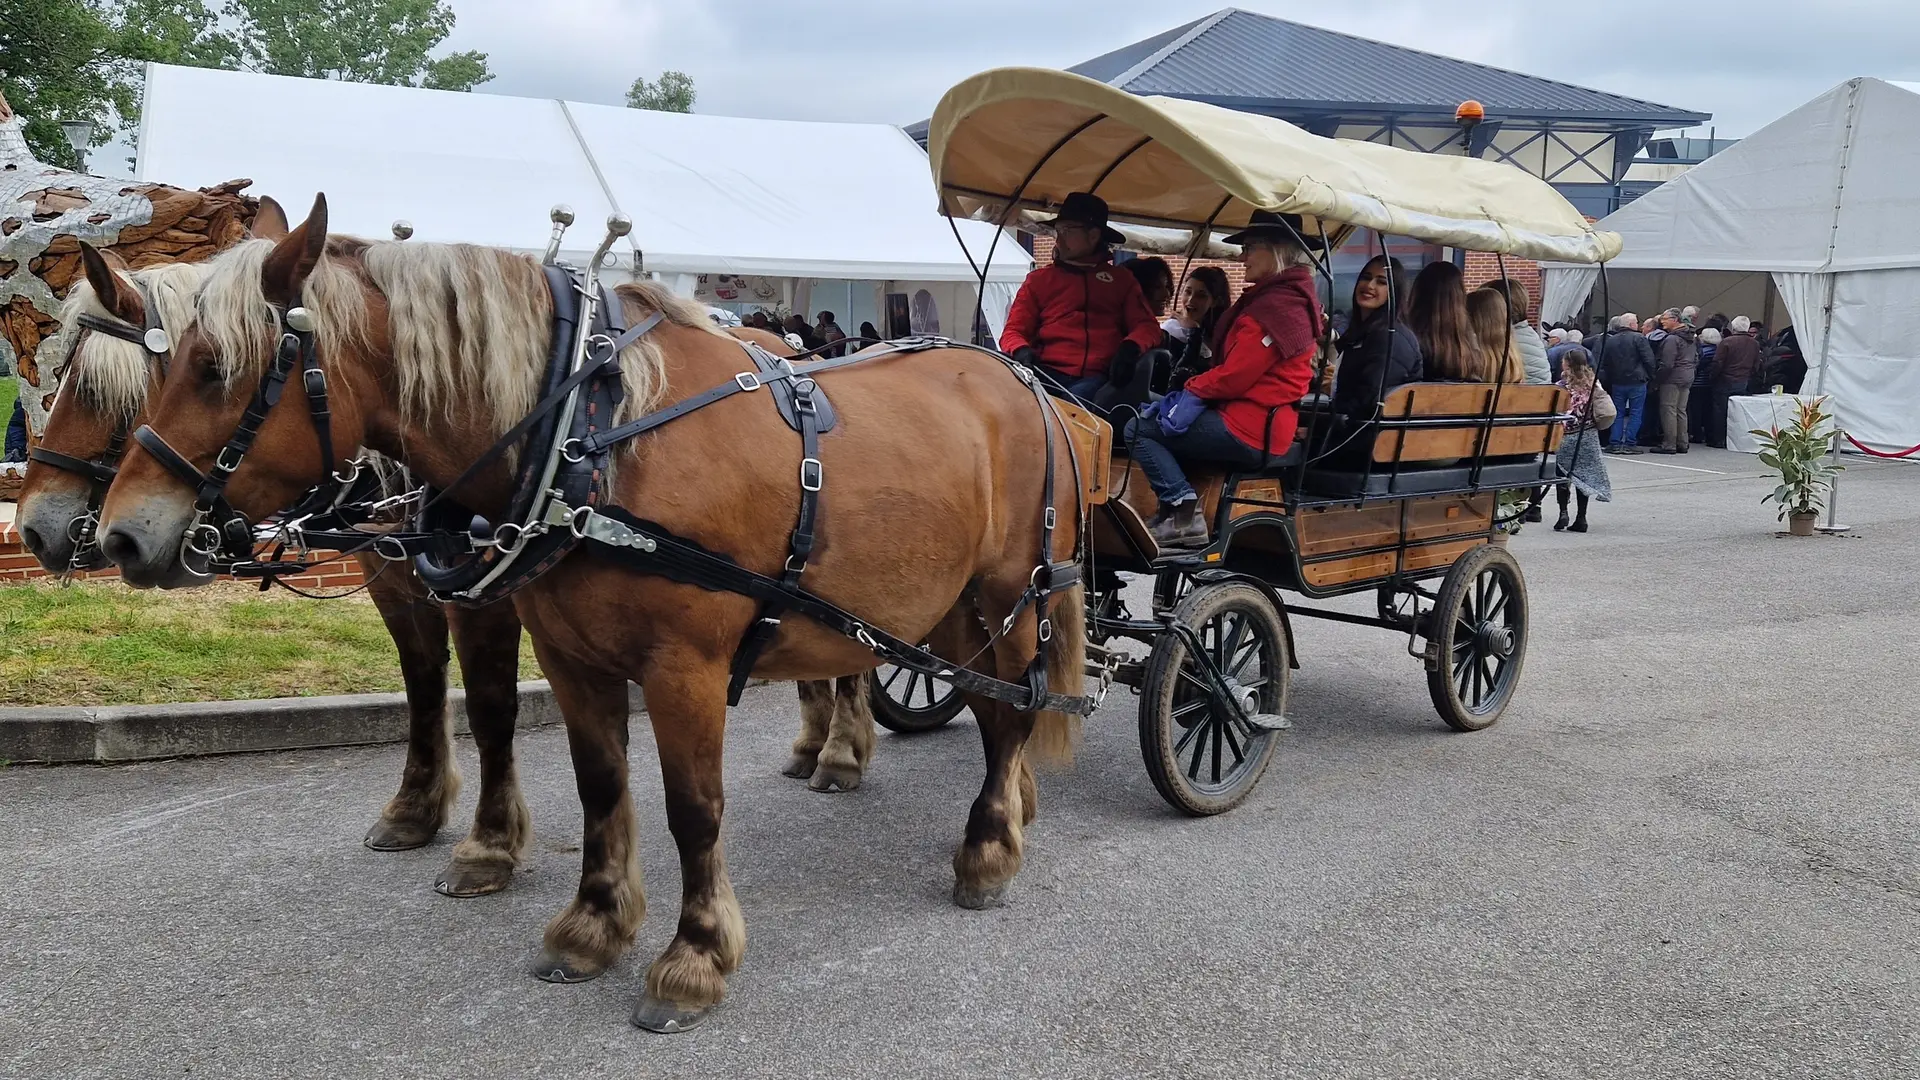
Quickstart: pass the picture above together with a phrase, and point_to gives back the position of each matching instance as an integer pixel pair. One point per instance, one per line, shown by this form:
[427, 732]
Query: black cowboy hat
[1267, 225]
[1086, 208]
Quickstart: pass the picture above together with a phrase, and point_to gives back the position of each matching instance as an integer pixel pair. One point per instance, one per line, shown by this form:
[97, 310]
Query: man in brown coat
[1737, 359]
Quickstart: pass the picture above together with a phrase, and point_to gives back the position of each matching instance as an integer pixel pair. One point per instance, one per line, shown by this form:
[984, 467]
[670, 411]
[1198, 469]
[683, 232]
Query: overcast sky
[1745, 61]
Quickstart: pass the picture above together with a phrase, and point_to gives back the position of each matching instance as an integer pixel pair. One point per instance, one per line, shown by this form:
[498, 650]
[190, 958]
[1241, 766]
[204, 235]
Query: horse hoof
[830, 778]
[666, 1018]
[399, 835]
[979, 897]
[800, 766]
[559, 969]
[473, 878]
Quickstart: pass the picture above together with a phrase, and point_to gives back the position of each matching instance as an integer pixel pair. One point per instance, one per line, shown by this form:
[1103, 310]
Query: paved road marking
[1635, 458]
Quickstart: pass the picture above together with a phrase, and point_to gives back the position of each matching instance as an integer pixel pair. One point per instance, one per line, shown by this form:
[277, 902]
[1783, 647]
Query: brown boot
[1181, 527]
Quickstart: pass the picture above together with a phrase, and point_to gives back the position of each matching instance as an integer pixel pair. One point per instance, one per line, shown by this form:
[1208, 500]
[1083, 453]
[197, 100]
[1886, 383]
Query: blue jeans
[1103, 394]
[16, 434]
[1206, 440]
[1631, 403]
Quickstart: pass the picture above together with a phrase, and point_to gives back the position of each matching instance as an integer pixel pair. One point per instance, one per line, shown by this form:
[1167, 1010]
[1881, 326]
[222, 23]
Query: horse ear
[270, 221]
[107, 286]
[286, 268]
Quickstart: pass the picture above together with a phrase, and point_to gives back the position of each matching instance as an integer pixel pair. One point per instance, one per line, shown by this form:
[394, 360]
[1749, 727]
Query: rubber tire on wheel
[924, 703]
[1483, 590]
[1176, 702]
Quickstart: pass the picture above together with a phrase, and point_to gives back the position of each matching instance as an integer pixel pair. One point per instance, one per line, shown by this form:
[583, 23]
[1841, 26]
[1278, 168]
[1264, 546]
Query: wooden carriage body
[1416, 492]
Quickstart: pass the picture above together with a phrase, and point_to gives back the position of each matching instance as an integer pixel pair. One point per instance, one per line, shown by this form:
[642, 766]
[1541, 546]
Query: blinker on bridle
[84, 531]
[217, 527]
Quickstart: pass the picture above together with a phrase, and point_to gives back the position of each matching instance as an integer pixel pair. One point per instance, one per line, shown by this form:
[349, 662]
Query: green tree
[58, 62]
[80, 59]
[374, 41]
[671, 92]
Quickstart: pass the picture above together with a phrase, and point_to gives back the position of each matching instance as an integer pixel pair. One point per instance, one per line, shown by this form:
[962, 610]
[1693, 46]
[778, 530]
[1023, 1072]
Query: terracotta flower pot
[1801, 524]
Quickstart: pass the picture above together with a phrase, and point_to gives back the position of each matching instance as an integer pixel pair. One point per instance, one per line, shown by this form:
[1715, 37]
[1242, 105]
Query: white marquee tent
[1820, 211]
[795, 208]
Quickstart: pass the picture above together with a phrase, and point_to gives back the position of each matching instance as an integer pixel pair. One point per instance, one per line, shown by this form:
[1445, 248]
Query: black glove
[1121, 368]
[1026, 356]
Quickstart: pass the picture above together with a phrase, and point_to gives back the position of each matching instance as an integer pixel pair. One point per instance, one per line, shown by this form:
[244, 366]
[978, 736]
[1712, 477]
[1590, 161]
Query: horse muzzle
[150, 546]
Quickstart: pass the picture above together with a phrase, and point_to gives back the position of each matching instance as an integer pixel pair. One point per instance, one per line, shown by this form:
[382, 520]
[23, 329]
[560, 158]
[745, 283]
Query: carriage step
[1269, 721]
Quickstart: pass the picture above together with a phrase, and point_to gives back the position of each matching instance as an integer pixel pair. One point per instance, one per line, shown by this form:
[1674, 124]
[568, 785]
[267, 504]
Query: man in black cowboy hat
[1081, 322]
[1243, 411]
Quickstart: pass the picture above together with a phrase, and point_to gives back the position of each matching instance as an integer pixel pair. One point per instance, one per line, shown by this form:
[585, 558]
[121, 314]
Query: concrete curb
[108, 733]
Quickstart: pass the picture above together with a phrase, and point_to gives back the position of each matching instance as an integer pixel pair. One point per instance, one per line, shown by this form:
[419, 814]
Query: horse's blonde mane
[234, 316]
[464, 318]
[112, 375]
[464, 322]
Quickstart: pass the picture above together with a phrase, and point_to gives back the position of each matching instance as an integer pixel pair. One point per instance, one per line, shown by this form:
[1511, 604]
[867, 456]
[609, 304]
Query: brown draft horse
[931, 520]
[106, 387]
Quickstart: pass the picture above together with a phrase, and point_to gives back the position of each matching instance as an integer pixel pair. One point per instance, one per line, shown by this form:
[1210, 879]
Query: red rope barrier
[1865, 449]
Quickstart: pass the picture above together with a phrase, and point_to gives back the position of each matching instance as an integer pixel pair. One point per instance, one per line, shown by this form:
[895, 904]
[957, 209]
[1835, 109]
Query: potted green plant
[1798, 452]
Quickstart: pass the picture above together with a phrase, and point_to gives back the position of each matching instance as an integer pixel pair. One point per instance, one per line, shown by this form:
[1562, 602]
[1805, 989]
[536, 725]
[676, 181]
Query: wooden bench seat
[1447, 436]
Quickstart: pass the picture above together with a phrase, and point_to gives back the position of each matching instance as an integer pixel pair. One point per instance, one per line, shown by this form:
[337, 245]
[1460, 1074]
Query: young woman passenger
[1437, 312]
[1189, 333]
[1375, 341]
[1497, 354]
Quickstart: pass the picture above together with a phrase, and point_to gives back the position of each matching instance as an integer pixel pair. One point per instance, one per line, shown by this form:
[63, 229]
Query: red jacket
[1075, 317]
[1251, 378]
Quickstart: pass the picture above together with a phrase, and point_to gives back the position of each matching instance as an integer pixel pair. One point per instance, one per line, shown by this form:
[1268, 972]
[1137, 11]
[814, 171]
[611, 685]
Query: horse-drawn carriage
[1403, 507]
[614, 466]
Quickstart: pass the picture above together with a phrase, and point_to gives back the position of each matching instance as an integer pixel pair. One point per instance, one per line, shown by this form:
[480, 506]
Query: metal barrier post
[1833, 488]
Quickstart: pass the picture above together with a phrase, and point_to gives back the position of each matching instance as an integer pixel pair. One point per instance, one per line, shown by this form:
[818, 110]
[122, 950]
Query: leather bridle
[84, 531]
[218, 529]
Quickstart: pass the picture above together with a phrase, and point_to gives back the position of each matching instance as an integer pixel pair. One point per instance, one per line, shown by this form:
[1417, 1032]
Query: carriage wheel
[1201, 756]
[1478, 639]
[908, 702]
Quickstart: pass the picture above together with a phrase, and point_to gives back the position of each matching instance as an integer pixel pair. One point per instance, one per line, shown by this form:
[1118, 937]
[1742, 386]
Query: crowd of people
[822, 336]
[1670, 376]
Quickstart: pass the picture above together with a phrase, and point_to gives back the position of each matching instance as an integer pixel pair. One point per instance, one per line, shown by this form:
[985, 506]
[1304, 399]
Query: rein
[85, 530]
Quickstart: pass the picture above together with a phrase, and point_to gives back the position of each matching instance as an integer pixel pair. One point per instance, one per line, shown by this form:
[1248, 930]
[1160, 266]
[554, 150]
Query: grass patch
[9, 390]
[101, 643]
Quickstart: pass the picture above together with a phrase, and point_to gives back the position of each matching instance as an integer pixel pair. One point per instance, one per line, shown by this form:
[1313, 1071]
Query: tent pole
[1826, 335]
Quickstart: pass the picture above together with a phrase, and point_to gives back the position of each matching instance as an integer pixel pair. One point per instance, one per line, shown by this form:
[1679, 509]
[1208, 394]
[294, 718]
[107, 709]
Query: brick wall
[1483, 266]
[17, 564]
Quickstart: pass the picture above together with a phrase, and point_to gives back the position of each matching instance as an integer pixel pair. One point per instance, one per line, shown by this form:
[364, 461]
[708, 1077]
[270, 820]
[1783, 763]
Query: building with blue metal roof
[1579, 139]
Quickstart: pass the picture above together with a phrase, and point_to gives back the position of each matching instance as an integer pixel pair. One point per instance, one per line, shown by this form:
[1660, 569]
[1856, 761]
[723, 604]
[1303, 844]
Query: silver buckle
[795, 565]
[572, 452]
[811, 481]
[220, 459]
[748, 381]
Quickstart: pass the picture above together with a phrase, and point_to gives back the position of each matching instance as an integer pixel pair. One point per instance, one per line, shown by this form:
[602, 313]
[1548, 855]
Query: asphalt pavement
[1688, 850]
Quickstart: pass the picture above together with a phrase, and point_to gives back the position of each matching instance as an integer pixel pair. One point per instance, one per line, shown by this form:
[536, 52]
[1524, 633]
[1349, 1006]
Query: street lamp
[79, 136]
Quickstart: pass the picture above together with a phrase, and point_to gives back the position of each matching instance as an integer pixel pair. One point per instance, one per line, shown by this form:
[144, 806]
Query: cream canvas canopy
[1030, 136]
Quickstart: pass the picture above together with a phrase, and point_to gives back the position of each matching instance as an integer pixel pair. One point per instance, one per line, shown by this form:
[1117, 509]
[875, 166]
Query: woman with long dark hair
[1190, 332]
[1437, 312]
[1377, 341]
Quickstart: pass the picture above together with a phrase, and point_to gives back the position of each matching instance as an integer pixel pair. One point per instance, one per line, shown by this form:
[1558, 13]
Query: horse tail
[1056, 734]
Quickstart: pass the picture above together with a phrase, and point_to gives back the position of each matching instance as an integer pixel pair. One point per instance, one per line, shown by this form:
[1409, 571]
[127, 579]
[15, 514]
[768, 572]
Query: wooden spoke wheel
[1477, 639]
[908, 702]
[1202, 756]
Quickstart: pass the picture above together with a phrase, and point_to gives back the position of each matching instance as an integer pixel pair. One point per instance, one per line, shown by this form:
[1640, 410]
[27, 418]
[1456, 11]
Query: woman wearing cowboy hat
[1250, 399]
[1082, 323]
